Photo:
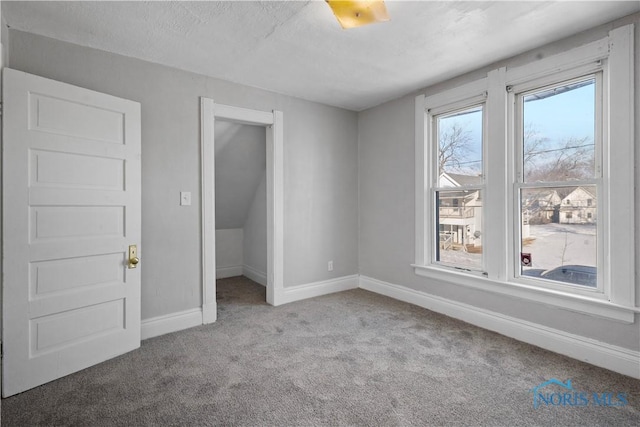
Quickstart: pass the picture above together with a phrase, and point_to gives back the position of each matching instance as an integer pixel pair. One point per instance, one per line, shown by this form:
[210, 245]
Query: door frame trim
[273, 121]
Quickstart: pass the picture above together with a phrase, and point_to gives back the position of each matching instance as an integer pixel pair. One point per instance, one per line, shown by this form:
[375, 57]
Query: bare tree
[564, 248]
[544, 159]
[534, 142]
[455, 143]
[572, 158]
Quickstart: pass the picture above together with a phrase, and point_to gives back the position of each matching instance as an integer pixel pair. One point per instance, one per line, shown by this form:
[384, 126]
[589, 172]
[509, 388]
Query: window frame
[597, 70]
[462, 97]
[434, 188]
[614, 55]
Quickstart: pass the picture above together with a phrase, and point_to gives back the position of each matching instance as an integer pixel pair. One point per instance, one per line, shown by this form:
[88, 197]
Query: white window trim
[617, 50]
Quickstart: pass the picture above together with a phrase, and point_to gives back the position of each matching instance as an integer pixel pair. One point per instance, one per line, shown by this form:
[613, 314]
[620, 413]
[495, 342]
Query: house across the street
[579, 207]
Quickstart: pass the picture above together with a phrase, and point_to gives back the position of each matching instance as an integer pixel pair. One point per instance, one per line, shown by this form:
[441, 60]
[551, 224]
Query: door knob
[133, 256]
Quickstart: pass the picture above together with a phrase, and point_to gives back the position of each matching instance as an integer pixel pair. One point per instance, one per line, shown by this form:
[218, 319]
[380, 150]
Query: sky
[569, 114]
[566, 115]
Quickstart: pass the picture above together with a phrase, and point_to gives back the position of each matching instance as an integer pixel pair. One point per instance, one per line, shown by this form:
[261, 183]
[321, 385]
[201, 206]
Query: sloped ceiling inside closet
[240, 166]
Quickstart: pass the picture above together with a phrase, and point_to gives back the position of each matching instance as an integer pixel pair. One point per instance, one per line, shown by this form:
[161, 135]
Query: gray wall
[386, 206]
[320, 177]
[4, 37]
[229, 248]
[254, 247]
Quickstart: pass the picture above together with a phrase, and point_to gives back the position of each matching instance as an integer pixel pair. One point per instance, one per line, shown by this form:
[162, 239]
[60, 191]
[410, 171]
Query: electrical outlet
[330, 266]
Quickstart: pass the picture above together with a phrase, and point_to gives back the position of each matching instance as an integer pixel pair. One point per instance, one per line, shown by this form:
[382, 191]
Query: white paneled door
[71, 210]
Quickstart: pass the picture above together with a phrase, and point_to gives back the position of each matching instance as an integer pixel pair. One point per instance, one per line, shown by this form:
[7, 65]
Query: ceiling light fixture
[351, 14]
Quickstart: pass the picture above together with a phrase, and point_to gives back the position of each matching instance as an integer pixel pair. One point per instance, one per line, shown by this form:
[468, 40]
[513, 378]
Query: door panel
[75, 118]
[71, 208]
[58, 276]
[51, 169]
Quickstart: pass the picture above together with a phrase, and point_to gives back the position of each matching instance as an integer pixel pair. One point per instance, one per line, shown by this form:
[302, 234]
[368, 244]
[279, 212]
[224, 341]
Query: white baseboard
[168, 323]
[232, 271]
[597, 353]
[296, 293]
[255, 275]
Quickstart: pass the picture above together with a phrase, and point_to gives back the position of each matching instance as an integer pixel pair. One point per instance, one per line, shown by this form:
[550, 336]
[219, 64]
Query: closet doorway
[235, 119]
[241, 201]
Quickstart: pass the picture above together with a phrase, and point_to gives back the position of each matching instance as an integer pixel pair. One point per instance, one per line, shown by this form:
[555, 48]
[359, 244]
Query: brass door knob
[133, 257]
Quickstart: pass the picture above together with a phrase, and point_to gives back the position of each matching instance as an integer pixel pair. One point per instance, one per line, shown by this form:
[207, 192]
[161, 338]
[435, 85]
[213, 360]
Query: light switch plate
[185, 198]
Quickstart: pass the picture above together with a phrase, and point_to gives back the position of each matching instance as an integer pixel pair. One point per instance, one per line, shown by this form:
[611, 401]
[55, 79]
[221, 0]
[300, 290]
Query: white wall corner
[173, 322]
[231, 271]
[275, 295]
[614, 358]
[310, 290]
[255, 275]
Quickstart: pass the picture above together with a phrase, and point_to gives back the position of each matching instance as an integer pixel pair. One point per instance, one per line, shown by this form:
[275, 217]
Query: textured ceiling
[298, 48]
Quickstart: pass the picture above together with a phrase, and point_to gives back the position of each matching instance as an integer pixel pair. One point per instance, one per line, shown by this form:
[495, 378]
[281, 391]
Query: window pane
[460, 142]
[559, 132]
[559, 240]
[459, 227]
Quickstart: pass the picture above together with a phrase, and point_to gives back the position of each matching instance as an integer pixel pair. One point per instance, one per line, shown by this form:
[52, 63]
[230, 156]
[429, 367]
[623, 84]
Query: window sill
[568, 301]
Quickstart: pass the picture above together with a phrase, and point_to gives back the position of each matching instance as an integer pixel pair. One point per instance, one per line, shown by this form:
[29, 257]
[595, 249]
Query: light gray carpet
[352, 358]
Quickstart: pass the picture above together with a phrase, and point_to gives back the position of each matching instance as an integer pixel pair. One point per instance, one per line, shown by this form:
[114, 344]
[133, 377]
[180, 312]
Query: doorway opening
[240, 202]
[213, 115]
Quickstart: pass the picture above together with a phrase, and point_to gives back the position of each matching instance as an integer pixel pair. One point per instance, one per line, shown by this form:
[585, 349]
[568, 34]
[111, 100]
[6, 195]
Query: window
[529, 207]
[458, 186]
[558, 150]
